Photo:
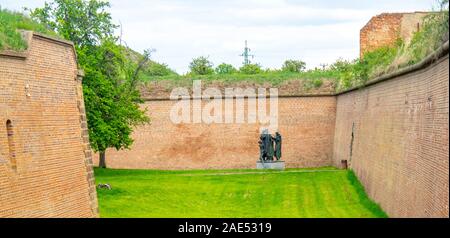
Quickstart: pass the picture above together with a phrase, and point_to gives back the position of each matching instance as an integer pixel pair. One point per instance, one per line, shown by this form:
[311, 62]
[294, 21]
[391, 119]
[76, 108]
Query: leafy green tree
[250, 69]
[110, 83]
[84, 22]
[225, 69]
[294, 66]
[201, 66]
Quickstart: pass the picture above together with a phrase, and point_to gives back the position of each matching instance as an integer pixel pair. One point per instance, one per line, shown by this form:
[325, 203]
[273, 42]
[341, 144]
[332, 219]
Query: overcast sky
[315, 31]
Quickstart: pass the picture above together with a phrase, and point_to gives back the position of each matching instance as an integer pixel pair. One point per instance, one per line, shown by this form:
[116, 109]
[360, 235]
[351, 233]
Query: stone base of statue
[276, 164]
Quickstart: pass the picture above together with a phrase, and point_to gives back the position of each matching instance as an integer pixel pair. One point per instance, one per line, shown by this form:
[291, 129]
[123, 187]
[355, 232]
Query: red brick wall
[306, 124]
[385, 29]
[400, 149]
[53, 175]
[381, 30]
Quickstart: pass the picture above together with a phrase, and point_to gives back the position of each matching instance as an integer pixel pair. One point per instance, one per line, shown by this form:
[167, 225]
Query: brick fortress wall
[399, 147]
[45, 160]
[306, 124]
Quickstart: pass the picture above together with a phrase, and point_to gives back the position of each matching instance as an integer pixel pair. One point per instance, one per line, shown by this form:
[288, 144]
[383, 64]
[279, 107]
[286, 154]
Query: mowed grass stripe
[242, 193]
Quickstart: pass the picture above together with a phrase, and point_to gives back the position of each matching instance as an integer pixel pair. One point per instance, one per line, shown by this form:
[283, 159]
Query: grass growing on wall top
[312, 81]
[273, 77]
[432, 35]
[10, 23]
[319, 192]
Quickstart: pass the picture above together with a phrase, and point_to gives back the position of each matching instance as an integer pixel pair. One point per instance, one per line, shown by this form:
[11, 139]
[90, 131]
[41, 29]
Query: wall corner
[86, 145]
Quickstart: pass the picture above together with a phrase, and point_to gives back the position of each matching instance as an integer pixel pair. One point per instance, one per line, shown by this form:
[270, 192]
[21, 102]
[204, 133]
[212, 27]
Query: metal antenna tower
[247, 54]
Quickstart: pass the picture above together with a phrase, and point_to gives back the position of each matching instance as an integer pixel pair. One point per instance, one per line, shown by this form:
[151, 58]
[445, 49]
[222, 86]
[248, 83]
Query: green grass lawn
[324, 192]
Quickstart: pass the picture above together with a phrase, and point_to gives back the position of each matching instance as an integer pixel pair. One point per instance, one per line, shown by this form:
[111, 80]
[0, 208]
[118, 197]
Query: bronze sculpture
[261, 150]
[266, 146]
[278, 145]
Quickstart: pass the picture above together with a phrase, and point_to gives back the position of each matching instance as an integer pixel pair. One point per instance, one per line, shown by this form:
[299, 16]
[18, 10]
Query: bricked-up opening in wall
[344, 164]
[351, 143]
[12, 151]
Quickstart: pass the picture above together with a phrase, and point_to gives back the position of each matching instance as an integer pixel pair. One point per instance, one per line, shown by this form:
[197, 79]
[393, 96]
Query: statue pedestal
[277, 165]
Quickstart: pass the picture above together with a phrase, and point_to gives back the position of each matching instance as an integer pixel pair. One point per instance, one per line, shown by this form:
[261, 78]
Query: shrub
[317, 83]
[376, 62]
[344, 73]
[358, 72]
[201, 66]
[294, 66]
[313, 83]
[250, 69]
[225, 69]
[434, 32]
[157, 69]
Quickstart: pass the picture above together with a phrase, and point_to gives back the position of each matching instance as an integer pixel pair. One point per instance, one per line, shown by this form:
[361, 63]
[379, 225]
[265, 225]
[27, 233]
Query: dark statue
[278, 146]
[267, 152]
[261, 150]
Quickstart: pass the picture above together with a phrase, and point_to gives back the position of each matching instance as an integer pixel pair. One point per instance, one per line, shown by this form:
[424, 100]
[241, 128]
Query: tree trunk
[102, 160]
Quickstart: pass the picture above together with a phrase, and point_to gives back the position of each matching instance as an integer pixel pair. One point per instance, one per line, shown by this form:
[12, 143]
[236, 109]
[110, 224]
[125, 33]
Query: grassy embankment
[10, 23]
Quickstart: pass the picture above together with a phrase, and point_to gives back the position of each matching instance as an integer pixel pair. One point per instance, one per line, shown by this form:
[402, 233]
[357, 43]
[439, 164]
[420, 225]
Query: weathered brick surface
[400, 148]
[385, 29]
[306, 123]
[381, 30]
[53, 177]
